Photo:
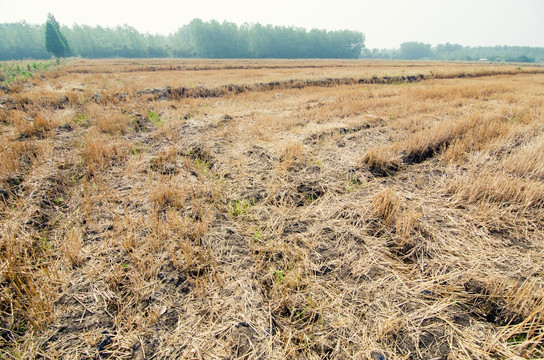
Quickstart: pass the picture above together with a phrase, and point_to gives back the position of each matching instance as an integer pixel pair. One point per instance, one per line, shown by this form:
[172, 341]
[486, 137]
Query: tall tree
[55, 42]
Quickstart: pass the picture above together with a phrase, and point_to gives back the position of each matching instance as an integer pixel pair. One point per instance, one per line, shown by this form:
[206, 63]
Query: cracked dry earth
[332, 221]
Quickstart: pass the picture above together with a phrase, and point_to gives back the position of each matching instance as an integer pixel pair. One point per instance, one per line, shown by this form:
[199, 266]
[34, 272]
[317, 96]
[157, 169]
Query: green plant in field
[517, 339]
[257, 234]
[10, 72]
[238, 207]
[202, 165]
[278, 275]
[45, 242]
[79, 140]
[353, 184]
[82, 119]
[153, 117]
[301, 312]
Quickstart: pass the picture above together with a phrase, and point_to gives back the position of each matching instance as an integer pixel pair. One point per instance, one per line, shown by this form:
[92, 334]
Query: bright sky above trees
[386, 23]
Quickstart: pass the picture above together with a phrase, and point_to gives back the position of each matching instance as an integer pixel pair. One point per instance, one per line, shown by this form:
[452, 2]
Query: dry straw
[337, 214]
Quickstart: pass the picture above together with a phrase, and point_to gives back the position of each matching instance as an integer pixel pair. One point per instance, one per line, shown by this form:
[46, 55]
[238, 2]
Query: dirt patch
[243, 338]
[484, 306]
[309, 192]
[430, 343]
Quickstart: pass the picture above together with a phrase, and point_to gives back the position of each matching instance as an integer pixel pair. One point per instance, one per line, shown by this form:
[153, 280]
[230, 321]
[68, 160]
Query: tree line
[203, 39]
[212, 39]
[418, 50]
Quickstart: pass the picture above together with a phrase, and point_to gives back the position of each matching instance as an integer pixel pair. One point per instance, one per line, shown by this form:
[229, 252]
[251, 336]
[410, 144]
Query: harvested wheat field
[187, 209]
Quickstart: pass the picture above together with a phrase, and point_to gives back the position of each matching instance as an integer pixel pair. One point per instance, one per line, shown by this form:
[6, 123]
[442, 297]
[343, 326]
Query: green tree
[415, 50]
[22, 41]
[55, 42]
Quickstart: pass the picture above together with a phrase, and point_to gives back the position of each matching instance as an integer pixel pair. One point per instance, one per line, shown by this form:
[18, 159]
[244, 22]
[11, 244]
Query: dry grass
[274, 210]
[527, 160]
[112, 123]
[99, 151]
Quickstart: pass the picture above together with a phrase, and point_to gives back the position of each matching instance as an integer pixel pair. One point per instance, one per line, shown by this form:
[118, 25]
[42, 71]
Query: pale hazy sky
[386, 23]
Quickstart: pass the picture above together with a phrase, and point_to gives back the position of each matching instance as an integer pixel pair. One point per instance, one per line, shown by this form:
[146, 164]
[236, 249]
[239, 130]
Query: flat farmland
[252, 209]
